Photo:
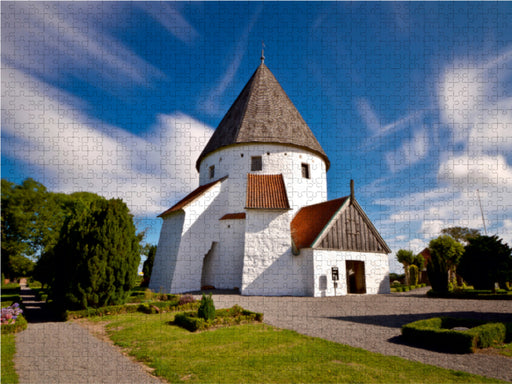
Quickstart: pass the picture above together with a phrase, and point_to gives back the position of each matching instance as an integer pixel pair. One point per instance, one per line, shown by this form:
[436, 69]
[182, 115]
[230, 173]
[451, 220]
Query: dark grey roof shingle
[263, 113]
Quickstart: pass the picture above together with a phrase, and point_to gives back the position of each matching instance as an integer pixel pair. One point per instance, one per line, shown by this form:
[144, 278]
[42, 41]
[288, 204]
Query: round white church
[260, 222]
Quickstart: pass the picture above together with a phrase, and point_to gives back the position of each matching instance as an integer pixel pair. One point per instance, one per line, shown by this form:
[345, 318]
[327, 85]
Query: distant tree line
[81, 246]
[459, 252]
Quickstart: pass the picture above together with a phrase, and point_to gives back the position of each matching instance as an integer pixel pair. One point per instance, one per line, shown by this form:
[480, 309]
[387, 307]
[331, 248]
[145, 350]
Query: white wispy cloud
[410, 152]
[71, 152]
[171, 19]
[473, 103]
[376, 126]
[475, 107]
[54, 45]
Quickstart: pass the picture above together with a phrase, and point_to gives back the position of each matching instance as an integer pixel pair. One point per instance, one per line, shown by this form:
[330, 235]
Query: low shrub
[437, 332]
[103, 311]
[206, 308]
[472, 294]
[186, 299]
[190, 321]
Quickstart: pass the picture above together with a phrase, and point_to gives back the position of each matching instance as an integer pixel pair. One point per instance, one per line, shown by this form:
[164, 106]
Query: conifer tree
[97, 256]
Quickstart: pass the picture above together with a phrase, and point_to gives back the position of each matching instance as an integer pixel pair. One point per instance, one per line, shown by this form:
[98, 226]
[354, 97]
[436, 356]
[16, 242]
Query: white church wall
[200, 231]
[229, 263]
[166, 252]
[269, 267]
[376, 271]
[276, 159]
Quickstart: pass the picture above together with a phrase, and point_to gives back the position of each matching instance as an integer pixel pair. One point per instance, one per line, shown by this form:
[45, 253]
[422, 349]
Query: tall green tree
[406, 258]
[96, 257]
[486, 260]
[449, 251]
[461, 234]
[147, 267]
[30, 224]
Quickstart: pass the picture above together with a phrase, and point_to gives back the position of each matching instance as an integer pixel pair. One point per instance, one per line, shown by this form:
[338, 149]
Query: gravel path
[50, 352]
[373, 322]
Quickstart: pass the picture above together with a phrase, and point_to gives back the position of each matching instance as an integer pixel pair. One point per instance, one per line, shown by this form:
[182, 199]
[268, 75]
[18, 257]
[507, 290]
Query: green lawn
[9, 375]
[261, 353]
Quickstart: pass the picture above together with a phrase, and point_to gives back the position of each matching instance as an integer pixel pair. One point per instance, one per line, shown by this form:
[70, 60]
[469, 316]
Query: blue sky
[411, 100]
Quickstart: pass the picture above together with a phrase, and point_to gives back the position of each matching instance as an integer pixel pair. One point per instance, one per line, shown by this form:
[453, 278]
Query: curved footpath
[50, 352]
[55, 352]
[373, 322]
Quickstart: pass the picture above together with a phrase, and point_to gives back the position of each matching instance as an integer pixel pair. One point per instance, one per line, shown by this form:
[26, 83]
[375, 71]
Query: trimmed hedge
[148, 308]
[472, 294]
[223, 317]
[437, 332]
[20, 325]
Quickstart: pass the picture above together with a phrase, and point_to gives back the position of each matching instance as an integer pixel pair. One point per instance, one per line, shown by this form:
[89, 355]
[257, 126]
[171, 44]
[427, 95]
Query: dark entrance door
[356, 282]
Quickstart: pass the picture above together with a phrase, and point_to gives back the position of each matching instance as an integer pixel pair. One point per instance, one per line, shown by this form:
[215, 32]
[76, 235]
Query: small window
[256, 164]
[212, 171]
[305, 170]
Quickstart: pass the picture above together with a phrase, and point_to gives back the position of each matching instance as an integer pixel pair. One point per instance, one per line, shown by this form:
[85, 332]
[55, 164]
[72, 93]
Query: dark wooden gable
[351, 230]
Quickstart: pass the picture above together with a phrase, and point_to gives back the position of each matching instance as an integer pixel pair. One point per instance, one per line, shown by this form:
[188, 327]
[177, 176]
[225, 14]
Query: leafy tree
[147, 267]
[405, 257]
[449, 250]
[437, 271]
[97, 256]
[30, 224]
[419, 261]
[486, 260]
[413, 274]
[461, 234]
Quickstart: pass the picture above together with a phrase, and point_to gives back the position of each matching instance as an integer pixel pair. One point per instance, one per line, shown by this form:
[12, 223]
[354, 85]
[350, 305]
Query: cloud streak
[38, 38]
[168, 16]
[72, 152]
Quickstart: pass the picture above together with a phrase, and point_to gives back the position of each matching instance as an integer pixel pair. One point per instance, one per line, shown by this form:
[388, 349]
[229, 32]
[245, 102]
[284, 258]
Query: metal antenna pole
[481, 211]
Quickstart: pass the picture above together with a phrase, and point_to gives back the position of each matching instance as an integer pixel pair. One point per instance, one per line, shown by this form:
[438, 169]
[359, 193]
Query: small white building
[260, 221]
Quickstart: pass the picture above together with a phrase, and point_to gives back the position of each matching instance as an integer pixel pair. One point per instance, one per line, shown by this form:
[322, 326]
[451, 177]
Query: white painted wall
[276, 159]
[376, 271]
[164, 264]
[269, 267]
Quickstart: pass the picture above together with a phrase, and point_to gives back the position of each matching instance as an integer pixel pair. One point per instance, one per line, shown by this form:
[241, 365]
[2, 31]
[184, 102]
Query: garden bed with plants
[177, 303]
[457, 335]
[406, 288]
[207, 317]
[235, 315]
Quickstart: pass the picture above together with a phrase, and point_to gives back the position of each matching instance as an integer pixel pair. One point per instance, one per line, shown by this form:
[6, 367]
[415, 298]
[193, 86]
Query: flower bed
[12, 319]
[439, 333]
[223, 317]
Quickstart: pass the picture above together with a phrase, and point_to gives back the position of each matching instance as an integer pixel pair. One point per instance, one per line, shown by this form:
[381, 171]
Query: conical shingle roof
[263, 113]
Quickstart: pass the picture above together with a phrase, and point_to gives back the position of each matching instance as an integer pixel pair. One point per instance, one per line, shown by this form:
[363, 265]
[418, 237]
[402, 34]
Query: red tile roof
[311, 220]
[266, 192]
[191, 197]
[233, 216]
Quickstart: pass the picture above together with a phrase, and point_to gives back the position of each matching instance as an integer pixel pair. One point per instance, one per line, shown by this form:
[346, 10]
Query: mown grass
[9, 375]
[262, 354]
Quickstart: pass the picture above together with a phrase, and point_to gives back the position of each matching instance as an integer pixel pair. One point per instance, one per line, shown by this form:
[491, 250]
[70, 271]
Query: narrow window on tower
[256, 164]
[212, 171]
[305, 170]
